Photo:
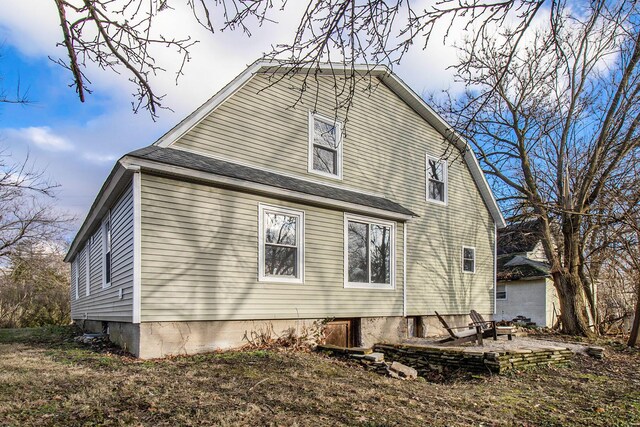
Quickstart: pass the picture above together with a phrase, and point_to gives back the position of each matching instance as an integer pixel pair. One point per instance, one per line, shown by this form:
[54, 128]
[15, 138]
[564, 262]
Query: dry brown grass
[48, 380]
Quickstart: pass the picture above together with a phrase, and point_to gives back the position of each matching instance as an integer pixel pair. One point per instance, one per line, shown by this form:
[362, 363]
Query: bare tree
[555, 122]
[34, 286]
[26, 214]
[119, 35]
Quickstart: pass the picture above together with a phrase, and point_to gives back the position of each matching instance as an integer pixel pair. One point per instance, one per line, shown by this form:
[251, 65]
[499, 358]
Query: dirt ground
[47, 379]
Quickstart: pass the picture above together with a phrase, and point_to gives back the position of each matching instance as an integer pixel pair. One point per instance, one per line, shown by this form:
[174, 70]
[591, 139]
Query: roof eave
[111, 188]
[253, 187]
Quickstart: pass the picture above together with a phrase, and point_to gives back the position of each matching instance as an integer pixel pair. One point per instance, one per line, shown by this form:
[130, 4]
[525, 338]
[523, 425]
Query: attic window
[325, 146]
[436, 180]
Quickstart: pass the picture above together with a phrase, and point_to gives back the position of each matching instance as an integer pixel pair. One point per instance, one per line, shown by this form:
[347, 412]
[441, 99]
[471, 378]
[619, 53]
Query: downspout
[404, 270]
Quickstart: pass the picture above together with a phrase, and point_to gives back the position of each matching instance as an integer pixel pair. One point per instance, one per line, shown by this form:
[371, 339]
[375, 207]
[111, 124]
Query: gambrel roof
[386, 76]
[161, 159]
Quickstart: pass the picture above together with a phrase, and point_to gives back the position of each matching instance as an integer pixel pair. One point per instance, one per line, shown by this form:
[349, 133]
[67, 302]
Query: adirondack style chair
[466, 333]
[489, 328]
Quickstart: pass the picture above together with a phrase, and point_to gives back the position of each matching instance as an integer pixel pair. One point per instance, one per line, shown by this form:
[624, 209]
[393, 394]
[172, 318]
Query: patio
[497, 356]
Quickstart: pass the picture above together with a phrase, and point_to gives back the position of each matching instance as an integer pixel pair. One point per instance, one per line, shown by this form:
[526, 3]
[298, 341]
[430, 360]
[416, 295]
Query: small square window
[436, 180]
[501, 292]
[325, 146]
[468, 259]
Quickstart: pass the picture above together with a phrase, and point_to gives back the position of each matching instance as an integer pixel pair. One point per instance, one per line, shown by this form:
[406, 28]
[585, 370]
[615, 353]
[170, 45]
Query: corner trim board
[137, 247]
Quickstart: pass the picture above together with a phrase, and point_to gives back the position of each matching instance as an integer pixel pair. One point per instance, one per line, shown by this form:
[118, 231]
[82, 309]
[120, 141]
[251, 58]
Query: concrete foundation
[125, 335]
[382, 329]
[150, 340]
[159, 339]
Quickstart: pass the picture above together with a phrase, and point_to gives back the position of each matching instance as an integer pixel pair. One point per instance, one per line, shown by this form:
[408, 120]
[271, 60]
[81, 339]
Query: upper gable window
[436, 180]
[325, 146]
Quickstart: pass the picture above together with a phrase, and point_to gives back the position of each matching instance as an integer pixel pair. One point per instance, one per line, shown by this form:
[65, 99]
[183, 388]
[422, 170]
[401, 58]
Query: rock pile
[596, 352]
[92, 338]
[373, 361]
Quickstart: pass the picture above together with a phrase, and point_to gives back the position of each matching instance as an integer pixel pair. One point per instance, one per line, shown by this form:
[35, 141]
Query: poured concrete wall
[382, 329]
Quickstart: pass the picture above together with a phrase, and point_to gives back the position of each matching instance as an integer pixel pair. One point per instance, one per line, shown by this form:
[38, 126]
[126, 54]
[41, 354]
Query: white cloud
[31, 25]
[99, 158]
[42, 137]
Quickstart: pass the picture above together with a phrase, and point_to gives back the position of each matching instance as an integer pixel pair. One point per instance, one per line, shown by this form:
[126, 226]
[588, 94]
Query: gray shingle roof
[516, 267]
[201, 163]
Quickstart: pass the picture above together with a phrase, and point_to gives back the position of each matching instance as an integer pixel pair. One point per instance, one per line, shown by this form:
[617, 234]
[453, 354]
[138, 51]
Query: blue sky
[78, 143]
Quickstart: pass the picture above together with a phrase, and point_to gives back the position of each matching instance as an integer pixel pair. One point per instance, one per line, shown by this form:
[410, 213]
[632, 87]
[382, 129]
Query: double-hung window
[369, 253]
[87, 267]
[436, 180]
[281, 244]
[501, 292]
[325, 146]
[76, 282]
[468, 259]
[106, 250]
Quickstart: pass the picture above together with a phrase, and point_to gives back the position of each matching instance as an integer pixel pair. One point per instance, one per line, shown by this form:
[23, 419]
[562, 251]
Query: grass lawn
[46, 379]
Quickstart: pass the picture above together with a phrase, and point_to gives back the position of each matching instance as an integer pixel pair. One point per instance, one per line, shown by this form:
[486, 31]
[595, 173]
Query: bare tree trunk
[634, 337]
[574, 313]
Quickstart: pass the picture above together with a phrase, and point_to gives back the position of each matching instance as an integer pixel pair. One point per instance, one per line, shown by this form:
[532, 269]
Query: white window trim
[338, 125]
[369, 220]
[262, 209]
[445, 176]
[474, 259]
[107, 217]
[87, 268]
[505, 293]
[76, 282]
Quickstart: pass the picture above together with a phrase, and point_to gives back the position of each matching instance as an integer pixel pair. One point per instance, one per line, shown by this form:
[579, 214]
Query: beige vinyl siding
[384, 153]
[200, 260]
[82, 278]
[105, 304]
